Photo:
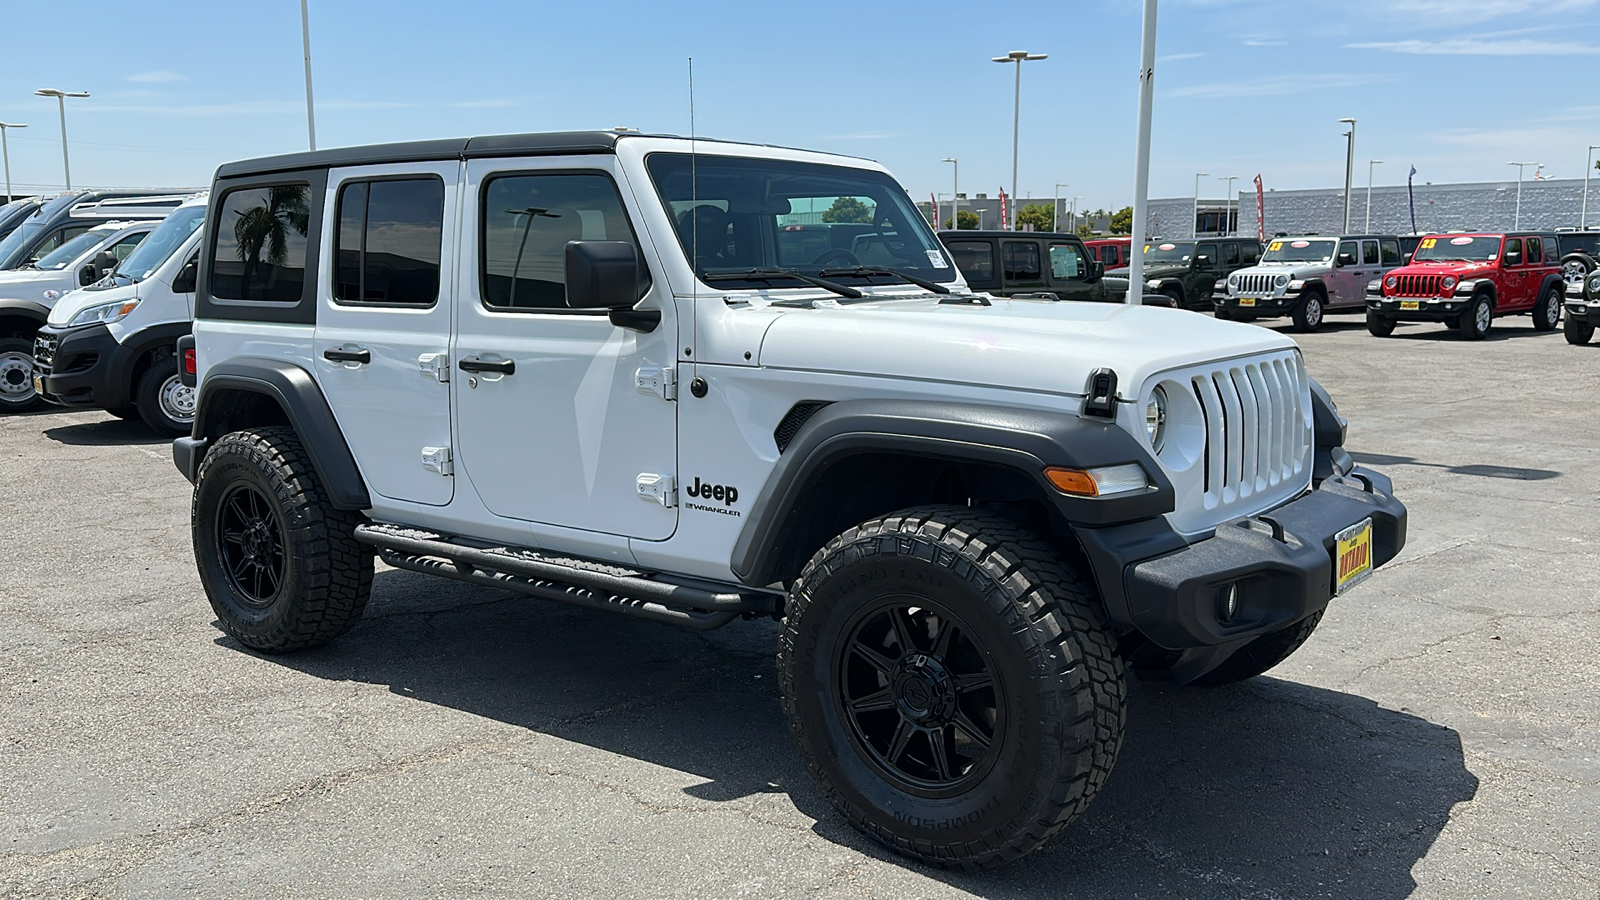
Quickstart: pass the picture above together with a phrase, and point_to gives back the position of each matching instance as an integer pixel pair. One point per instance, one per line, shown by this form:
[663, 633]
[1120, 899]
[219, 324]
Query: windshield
[1298, 251]
[62, 256]
[736, 214]
[154, 250]
[1170, 252]
[13, 243]
[1461, 249]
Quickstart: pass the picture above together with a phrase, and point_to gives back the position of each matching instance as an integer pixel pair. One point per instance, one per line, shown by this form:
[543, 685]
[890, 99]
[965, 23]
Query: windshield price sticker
[1276, 245]
[1461, 242]
[937, 260]
[1429, 243]
[1300, 245]
[1168, 247]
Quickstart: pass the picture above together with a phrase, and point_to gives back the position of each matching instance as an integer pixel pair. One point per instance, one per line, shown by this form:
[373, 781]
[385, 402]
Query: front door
[1513, 278]
[558, 419]
[383, 323]
[1069, 272]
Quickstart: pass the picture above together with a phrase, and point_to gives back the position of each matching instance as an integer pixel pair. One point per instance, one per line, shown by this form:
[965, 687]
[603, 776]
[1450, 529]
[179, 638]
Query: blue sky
[1454, 87]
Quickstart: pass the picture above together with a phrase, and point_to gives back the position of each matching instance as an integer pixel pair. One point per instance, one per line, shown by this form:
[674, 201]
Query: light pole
[1055, 207]
[305, 37]
[1517, 221]
[1072, 216]
[1589, 165]
[1019, 57]
[955, 196]
[1227, 209]
[61, 101]
[1195, 231]
[1370, 164]
[1349, 168]
[5, 153]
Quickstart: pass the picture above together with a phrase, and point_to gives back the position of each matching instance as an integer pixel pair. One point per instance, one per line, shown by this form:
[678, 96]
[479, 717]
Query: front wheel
[1379, 325]
[279, 563]
[1547, 312]
[951, 685]
[16, 375]
[1307, 313]
[1577, 332]
[165, 403]
[1476, 319]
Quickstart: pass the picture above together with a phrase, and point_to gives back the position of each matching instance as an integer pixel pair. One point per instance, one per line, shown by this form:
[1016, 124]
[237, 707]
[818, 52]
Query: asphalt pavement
[1439, 736]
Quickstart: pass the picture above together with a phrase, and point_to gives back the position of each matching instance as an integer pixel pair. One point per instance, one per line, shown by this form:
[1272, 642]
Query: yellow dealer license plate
[1352, 555]
[1408, 304]
[1247, 301]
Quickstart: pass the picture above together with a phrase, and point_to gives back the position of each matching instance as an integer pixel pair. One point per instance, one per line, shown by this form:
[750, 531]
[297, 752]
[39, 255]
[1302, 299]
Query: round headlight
[1281, 280]
[1389, 281]
[1448, 283]
[1594, 282]
[1233, 279]
[1155, 417]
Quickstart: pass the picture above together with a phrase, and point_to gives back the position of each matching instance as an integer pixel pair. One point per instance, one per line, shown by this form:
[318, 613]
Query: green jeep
[1189, 271]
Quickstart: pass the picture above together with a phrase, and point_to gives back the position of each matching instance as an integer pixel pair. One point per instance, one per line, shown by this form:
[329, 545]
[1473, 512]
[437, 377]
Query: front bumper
[1429, 309]
[1261, 306]
[1281, 562]
[73, 367]
[1583, 313]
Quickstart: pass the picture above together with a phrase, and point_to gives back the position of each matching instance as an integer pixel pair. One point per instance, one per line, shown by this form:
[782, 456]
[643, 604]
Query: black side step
[581, 582]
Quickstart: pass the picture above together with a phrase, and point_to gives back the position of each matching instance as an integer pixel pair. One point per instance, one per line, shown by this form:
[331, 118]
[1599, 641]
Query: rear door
[1022, 266]
[383, 322]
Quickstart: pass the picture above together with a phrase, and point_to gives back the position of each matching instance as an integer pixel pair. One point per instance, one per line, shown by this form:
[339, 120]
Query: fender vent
[796, 417]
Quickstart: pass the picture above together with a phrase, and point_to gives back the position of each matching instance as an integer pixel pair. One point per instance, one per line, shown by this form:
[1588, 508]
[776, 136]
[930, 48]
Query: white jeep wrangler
[630, 372]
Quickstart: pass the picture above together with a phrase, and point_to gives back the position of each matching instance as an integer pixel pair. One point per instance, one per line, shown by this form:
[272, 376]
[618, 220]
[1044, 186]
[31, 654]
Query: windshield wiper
[867, 271]
[775, 274]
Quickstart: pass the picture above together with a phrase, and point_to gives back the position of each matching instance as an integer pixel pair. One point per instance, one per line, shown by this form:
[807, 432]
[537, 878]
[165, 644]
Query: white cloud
[1472, 46]
[1459, 12]
[1270, 86]
[160, 76]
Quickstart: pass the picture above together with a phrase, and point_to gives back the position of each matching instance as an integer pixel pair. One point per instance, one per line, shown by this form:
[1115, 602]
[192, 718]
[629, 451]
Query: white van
[111, 345]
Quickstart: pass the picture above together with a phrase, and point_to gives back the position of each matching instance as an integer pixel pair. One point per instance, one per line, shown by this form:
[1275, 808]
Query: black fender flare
[1020, 439]
[34, 312]
[302, 402]
[134, 347]
[1319, 285]
[1555, 280]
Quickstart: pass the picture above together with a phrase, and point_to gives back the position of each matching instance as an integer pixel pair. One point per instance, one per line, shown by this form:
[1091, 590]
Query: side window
[1021, 261]
[526, 222]
[1349, 248]
[1066, 262]
[1249, 253]
[1552, 251]
[1369, 253]
[260, 250]
[1513, 246]
[1535, 250]
[975, 259]
[387, 245]
[1391, 253]
[1210, 252]
[1230, 255]
[1108, 256]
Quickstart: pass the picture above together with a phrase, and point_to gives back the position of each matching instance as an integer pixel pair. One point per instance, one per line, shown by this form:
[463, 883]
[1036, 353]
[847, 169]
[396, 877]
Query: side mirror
[1513, 259]
[1203, 261]
[184, 281]
[1096, 271]
[1345, 259]
[105, 262]
[606, 275]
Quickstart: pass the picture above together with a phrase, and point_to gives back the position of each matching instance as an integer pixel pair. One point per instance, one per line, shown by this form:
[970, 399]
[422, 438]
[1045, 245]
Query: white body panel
[159, 304]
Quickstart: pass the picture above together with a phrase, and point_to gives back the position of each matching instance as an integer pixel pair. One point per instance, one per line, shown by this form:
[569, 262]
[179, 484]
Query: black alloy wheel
[251, 544]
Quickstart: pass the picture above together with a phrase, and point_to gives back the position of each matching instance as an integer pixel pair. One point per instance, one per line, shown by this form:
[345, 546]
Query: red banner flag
[935, 199]
[1005, 216]
[1261, 208]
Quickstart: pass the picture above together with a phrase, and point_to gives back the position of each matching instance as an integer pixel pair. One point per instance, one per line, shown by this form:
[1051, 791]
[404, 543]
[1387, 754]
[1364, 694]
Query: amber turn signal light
[1072, 481]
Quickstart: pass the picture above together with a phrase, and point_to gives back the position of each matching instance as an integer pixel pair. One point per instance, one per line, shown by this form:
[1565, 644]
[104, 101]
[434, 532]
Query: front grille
[1256, 427]
[1256, 284]
[44, 352]
[1416, 286]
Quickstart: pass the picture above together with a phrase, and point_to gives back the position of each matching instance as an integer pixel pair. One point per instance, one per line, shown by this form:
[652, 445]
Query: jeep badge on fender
[899, 529]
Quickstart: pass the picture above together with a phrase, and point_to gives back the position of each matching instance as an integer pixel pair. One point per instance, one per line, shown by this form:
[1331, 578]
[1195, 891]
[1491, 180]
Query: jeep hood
[1293, 270]
[1164, 271]
[1031, 345]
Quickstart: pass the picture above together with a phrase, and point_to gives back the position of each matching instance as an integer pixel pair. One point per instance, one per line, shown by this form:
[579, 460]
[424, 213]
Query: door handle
[478, 364]
[359, 356]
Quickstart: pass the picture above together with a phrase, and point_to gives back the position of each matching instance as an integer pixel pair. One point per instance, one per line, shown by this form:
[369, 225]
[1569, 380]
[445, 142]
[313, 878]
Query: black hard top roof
[993, 233]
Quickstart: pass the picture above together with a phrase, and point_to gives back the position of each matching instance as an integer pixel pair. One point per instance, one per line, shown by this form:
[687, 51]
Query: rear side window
[1369, 253]
[1391, 253]
[1230, 254]
[975, 259]
[526, 222]
[1552, 250]
[1109, 256]
[388, 241]
[1535, 253]
[1022, 261]
[1249, 253]
[260, 251]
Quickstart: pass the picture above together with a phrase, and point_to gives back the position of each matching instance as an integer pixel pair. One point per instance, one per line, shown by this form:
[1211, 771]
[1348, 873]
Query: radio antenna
[694, 228]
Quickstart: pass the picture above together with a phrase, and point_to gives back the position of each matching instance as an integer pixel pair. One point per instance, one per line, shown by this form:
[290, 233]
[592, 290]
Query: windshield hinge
[662, 382]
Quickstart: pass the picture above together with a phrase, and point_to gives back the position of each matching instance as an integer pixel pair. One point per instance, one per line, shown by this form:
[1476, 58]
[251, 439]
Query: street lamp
[305, 37]
[1370, 164]
[1055, 207]
[1227, 208]
[61, 101]
[5, 153]
[1019, 57]
[1517, 221]
[1349, 168]
[1197, 177]
[955, 196]
[1072, 214]
[1589, 165]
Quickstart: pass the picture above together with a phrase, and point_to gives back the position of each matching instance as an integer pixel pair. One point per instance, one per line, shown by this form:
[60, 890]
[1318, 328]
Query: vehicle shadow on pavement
[1510, 473]
[106, 433]
[1269, 787]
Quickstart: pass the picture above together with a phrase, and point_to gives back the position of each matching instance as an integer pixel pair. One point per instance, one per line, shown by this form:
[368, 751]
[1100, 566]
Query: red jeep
[1467, 280]
[1113, 253]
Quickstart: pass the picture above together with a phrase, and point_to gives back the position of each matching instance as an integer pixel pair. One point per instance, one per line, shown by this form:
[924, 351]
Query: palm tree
[288, 206]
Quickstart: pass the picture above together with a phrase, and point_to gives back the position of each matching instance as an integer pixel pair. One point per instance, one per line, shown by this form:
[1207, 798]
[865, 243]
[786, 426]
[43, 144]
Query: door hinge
[437, 459]
[435, 364]
[661, 382]
[662, 489]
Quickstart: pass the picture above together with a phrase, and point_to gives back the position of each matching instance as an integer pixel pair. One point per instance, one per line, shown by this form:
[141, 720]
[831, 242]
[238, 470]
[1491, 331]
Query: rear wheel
[951, 685]
[1547, 312]
[1379, 324]
[165, 403]
[16, 375]
[1476, 318]
[1577, 332]
[1307, 314]
[1262, 653]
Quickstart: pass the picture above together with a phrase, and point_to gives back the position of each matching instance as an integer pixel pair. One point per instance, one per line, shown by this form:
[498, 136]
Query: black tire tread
[1261, 654]
[1068, 639]
[1577, 333]
[1378, 325]
[337, 569]
[1554, 296]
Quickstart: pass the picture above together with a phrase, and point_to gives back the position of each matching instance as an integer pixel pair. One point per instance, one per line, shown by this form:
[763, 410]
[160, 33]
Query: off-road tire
[1471, 325]
[1059, 696]
[147, 397]
[1577, 332]
[325, 576]
[1547, 312]
[1261, 654]
[1309, 312]
[19, 396]
[1379, 325]
[1176, 293]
